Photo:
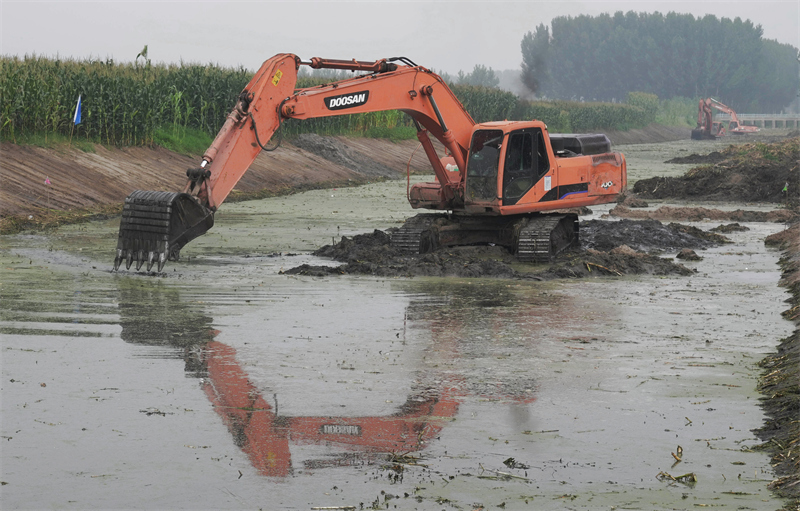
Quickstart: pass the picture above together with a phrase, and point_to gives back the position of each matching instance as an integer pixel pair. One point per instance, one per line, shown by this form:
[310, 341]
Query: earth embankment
[105, 176]
[84, 180]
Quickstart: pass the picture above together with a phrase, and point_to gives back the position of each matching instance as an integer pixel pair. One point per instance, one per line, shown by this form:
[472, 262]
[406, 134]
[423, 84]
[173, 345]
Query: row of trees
[673, 55]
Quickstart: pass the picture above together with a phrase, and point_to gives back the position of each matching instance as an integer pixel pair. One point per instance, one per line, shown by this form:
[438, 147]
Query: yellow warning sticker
[277, 77]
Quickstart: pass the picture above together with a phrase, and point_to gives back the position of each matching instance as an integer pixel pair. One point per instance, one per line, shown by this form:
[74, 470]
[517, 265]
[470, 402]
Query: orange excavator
[495, 184]
[707, 128]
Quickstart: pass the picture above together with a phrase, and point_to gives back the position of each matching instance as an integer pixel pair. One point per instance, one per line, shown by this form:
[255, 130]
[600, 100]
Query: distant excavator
[708, 129]
[496, 181]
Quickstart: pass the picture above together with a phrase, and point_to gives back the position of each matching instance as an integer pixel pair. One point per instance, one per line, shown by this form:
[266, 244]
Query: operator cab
[519, 156]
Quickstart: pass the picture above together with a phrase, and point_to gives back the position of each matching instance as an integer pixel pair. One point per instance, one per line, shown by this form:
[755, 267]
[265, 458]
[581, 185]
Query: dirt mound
[713, 157]
[698, 214]
[608, 248]
[734, 227]
[756, 172]
[645, 236]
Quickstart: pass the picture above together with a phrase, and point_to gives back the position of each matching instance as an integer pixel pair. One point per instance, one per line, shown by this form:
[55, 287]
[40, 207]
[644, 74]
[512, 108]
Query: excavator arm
[156, 225]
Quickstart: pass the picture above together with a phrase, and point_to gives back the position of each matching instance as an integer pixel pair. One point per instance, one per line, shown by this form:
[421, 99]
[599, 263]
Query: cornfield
[124, 104]
[121, 104]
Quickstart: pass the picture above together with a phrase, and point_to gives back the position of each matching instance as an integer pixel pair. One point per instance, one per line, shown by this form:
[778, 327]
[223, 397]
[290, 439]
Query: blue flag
[76, 119]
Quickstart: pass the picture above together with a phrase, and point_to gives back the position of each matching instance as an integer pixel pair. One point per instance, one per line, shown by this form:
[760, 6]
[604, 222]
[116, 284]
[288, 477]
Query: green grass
[186, 141]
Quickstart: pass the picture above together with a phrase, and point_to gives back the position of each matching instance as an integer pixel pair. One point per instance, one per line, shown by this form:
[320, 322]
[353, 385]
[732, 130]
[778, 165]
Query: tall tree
[481, 76]
[534, 58]
[605, 57]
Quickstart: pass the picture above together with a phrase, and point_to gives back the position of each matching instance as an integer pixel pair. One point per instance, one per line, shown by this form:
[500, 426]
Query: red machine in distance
[496, 180]
[707, 128]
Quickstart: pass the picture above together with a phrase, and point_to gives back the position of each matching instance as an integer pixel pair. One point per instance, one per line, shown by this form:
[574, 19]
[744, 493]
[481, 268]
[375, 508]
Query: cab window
[482, 165]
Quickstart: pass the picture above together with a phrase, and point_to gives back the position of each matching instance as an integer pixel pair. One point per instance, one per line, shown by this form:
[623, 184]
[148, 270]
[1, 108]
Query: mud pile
[646, 236]
[699, 214]
[699, 159]
[627, 247]
[756, 172]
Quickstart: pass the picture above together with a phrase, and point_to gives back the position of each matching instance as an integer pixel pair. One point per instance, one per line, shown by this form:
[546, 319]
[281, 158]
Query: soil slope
[86, 180]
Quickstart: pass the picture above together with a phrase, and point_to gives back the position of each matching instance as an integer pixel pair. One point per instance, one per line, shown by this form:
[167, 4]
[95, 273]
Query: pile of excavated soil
[646, 236]
[699, 214]
[607, 248]
[766, 172]
[698, 159]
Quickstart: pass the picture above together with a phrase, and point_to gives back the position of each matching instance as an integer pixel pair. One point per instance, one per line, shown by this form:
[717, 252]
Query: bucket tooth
[151, 258]
[129, 260]
[139, 259]
[162, 259]
[118, 259]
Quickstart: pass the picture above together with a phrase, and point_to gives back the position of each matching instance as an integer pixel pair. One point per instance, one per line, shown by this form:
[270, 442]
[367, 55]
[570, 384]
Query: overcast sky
[444, 35]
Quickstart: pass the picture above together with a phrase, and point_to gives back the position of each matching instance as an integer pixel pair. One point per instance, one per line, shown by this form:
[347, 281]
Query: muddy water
[224, 384]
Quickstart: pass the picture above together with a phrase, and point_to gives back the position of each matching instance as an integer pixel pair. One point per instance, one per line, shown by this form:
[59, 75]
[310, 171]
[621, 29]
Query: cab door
[525, 164]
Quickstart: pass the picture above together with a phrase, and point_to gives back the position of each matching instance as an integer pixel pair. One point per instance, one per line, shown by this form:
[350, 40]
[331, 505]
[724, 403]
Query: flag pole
[76, 119]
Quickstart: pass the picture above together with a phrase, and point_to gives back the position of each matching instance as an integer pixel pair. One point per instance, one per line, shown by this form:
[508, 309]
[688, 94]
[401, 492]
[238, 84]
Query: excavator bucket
[156, 225]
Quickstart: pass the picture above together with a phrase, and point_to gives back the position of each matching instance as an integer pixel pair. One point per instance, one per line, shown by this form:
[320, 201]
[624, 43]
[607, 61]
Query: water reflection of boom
[264, 435]
[153, 314]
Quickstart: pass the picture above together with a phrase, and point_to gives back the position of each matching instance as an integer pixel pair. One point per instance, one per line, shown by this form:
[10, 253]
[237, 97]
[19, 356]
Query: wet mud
[606, 248]
[700, 213]
[750, 172]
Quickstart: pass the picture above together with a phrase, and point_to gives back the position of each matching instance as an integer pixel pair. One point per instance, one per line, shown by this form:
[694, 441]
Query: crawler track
[534, 238]
[546, 236]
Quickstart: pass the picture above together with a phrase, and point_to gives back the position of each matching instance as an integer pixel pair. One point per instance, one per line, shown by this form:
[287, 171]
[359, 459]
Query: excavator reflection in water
[255, 423]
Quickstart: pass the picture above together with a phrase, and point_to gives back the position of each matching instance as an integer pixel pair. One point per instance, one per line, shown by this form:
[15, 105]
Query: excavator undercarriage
[537, 238]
